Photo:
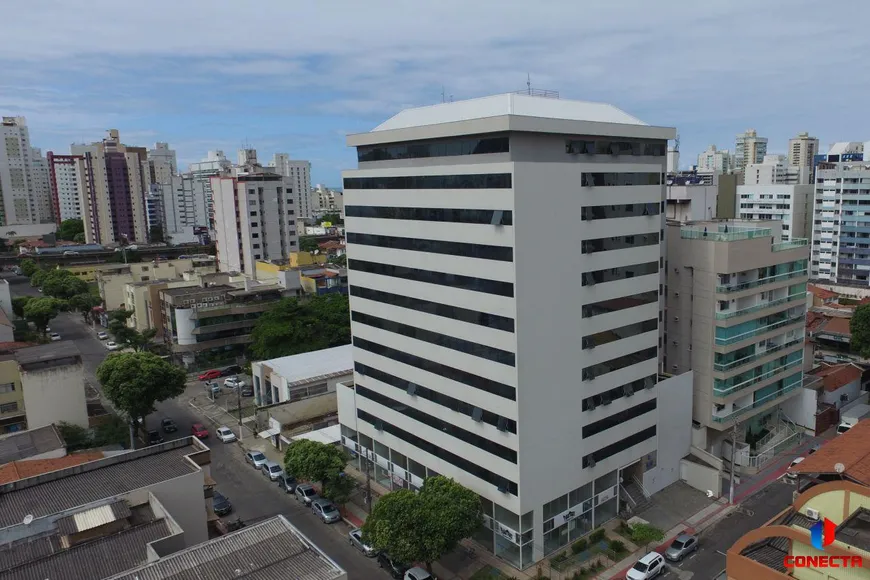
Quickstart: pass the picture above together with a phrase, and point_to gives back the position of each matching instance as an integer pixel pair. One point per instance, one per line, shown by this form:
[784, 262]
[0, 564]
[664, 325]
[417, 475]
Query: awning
[268, 433]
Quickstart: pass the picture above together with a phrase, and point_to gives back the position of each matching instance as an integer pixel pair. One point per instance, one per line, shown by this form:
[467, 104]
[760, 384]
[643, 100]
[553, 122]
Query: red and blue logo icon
[822, 533]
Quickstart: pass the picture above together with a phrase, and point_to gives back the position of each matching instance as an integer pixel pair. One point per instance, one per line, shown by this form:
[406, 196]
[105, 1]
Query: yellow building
[12, 413]
[299, 259]
[112, 278]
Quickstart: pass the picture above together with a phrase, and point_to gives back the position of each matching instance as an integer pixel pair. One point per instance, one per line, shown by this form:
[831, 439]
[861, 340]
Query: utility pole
[368, 480]
[239, 397]
[733, 453]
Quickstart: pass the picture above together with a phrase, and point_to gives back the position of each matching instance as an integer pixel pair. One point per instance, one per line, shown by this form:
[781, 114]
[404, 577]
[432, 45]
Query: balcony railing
[762, 330]
[760, 281]
[760, 402]
[725, 367]
[755, 380]
[790, 245]
[724, 233]
[725, 315]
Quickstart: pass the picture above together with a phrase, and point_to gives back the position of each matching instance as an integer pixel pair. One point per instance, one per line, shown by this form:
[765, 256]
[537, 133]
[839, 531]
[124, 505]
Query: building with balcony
[111, 279]
[790, 204]
[213, 323]
[735, 313]
[467, 362]
[775, 170]
[841, 224]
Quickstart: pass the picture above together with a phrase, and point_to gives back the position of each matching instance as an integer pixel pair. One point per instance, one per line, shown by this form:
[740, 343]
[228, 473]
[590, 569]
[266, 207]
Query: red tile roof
[11, 346]
[31, 468]
[821, 293]
[837, 325]
[850, 449]
[835, 376]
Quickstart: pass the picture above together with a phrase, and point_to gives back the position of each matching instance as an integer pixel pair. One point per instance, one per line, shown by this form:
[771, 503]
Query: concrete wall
[290, 414]
[674, 431]
[850, 391]
[54, 395]
[6, 298]
[701, 477]
[346, 404]
[802, 409]
[183, 498]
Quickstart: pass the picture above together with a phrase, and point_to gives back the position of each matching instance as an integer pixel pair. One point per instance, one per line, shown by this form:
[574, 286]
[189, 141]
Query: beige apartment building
[735, 311]
[112, 278]
[13, 416]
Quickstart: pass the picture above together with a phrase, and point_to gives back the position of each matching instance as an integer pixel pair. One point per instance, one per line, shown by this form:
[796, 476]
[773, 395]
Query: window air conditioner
[591, 463]
[588, 343]
[502, 424]
[813, 514]
[477, 414]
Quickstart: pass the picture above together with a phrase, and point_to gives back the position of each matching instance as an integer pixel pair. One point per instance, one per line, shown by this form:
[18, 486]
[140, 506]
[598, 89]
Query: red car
[210, 375]
[199, 431]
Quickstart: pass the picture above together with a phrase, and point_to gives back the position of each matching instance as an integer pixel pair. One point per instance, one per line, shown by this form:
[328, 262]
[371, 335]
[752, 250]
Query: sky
[296, 77]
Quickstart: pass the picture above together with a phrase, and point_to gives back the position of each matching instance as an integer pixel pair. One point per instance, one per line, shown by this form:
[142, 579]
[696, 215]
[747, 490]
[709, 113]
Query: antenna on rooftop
[443, 100]
[529, 83]
[677, 143]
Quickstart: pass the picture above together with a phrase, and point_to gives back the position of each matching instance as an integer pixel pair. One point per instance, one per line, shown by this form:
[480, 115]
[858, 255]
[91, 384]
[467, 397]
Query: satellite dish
[28, 519]
[839, 468]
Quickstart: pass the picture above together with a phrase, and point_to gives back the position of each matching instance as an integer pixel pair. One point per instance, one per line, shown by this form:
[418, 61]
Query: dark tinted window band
[621, 362]
[606, 212]
[605, 398]
[503, 423]
[485, 252]
[600, 338]
[448, 428]
[429, 277]
[472, 181]
[614, 274]
[618, 418]
[453, 312]
[424, 149]
[617, 304]
[619, 243]
[431, 449]
[460, 376]
[460, 216]
[607, 147]
[617, 179]
[622, 445]
[465, 346]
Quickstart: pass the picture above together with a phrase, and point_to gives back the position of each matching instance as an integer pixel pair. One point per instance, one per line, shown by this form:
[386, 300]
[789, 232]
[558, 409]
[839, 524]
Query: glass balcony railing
[723, 233]
[724, 392]
[760, 402]
[773, 326]
[725, 367]
[761, 281]
[790, 245]
[744, 311]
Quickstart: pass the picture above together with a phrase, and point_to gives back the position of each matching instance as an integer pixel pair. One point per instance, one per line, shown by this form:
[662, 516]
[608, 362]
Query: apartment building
[24, 185]
[698, 197]
[467, 363]
[735, 312]
[53, 384]
[775, 169]
[841, 223]
[13, 415]
[64, 182]
[299, 173]
[111, 279]
[749, 148]
[802, 150]
[114, 181]
[199, 176]
[715, 161]
[255, 218]
[326, 201]
[790, 204]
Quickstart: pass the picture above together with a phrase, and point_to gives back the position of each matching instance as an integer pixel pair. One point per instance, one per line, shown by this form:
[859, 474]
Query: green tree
[644, 534]
[155, 235]
[128, 336]
[18, 304]
[294, 327]
[28, 267]
[79, 238]
[40, 311]
[75, 437]
[314, 461]
[69, 228]
[339, 260]
[85, 304]
[60, 283]
[859, 326]
[423, 527]
[308, 244]
[332, 218]
[37, 277]
[135, 381]
[339, 487]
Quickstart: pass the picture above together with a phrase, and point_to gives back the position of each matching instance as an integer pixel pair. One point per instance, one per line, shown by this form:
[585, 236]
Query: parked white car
[112, 345]
[103, 335]
[647, 567]
[235, 383]
[54, 337]
[225, 434]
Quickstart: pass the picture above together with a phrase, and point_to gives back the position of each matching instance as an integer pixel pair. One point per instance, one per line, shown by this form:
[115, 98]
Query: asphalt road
[253, 496]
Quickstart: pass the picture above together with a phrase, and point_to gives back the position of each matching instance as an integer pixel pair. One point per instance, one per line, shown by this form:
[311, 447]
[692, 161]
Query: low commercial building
[324, 281]
[53, 384]
[829, 390]
[111, 279]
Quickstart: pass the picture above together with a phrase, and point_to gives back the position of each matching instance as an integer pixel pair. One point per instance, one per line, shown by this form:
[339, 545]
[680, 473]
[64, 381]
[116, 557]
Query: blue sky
[296, 77]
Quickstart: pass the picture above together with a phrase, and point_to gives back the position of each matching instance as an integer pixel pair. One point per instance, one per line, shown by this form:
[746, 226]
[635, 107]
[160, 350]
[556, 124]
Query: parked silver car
[355, 539]
[325, 510]
[306, 493]
[255, 458]
[682, 546]
[272, 470]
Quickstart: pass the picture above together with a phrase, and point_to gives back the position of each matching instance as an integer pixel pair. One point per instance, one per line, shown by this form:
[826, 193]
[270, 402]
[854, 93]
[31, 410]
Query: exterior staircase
[634, 496]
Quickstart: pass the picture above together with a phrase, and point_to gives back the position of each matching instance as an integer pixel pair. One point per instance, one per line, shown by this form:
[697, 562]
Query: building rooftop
[23, 469]
[508, 104]
[306, 367]
[53, 352]
[835, 376]
[818, 323]
[821, 293]
[28, 443]
[93, 481]
[270, 550]
[855, 530]
[185, 290]
[850, 449]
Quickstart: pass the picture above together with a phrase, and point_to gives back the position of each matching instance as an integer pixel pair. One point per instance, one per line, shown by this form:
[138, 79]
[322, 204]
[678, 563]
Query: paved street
[252, 495]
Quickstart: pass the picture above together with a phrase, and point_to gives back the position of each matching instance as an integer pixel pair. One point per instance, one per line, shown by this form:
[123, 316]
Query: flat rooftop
[309, 366]
[855, 531]
[270, 550]
[69, 488]
[184, 290]
[46, 353]
[29, 443]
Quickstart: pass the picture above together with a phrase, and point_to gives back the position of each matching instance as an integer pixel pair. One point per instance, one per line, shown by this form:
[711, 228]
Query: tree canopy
[135, 381]
[18, 304]
[155, 234]
[313, 460]
[308, 244]
[68, 229]
[40, 311]
[424, 526]
[85, 304]
[60, 283]
[128, 336]
[332, 218]
[859, 326]
[37, 277]
[28, 267]
[294, 327]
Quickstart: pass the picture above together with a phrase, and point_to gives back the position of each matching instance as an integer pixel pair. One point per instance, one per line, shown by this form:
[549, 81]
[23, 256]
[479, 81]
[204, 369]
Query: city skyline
[302, 78]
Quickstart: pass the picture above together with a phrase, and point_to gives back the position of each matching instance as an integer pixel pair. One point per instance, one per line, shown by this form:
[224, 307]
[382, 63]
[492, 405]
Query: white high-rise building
[325, 200]
[714, 161]
[163, 163]
[790, 204]
[774, 169]
[749, 148]
[254, 217]
[24, 184]
[200, 174]
[64, 182]
[802, 150]
[468, 363]
[300, 173]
